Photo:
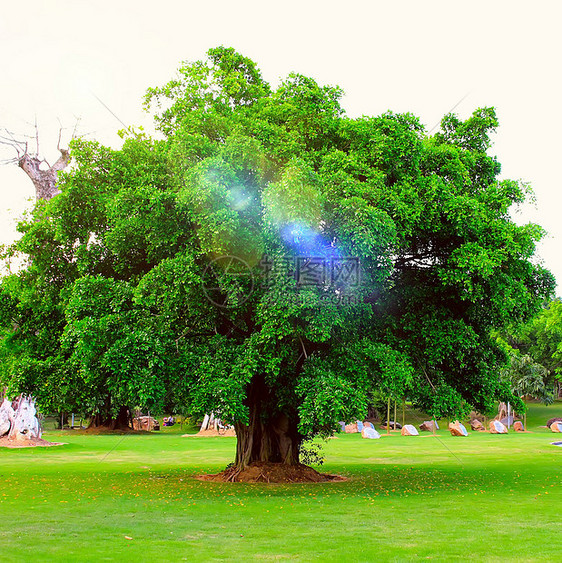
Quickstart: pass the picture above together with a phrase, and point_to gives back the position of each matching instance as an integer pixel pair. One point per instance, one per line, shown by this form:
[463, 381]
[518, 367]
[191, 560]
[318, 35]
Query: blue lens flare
[306, 241]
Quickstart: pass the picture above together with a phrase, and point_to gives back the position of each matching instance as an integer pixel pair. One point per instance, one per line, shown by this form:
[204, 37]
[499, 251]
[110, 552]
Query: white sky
[421, 57]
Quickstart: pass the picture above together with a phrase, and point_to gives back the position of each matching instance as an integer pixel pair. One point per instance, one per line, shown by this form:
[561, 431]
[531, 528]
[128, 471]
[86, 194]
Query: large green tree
[274, 262]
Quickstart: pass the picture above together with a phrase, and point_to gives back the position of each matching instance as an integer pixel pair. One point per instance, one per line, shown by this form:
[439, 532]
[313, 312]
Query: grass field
[133, 498]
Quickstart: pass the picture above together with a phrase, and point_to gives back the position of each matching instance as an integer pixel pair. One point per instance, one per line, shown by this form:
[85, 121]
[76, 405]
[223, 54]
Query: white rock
[496, 427]
[409, 430]
[370, 433]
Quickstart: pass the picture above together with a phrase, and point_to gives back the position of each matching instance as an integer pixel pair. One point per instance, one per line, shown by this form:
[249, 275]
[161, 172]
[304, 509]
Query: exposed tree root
[266, 472]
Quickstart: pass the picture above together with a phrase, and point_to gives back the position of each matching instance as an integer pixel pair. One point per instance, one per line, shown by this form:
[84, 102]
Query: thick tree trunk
[24, 424]
[268, 437]
[103, 420]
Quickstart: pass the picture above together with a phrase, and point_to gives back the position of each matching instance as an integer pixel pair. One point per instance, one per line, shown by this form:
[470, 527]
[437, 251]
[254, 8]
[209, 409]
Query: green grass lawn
[481, 498]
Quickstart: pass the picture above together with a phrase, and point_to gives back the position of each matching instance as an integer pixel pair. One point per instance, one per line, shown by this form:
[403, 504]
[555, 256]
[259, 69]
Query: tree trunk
[7, 415]
[268, 437]
[45, 181]
[62, 420]
[104, 420]
[24, 424]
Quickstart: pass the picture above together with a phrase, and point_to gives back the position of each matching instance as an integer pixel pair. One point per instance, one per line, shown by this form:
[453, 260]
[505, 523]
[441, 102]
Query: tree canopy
[273, 261]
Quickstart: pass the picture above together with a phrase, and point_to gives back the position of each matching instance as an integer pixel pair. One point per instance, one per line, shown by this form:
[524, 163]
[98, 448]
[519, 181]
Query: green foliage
[311, 453]
[534, 352]
[542, 337]
[132, 294]
[527, 378]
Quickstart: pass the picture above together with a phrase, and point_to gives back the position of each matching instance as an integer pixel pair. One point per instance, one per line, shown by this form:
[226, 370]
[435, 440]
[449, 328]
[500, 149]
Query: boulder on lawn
[556, 427]
[553, 420]
[351, 428]
[393, 425]
[457, 429]
[518, 426]
[475, 415]
[409, 430]
[368, 425]
[427, 426]
[477, 426]
[147, 423]
[359, 425]
[496, 427]
[370, 433]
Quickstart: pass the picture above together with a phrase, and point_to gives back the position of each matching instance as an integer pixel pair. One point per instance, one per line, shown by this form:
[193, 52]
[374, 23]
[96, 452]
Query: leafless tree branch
[44, 180]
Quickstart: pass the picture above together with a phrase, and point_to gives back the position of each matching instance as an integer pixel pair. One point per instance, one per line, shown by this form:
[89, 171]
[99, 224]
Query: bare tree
[43, 175]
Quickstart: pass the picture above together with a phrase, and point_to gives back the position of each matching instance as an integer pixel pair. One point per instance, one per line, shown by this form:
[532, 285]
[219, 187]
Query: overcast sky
[423, 57]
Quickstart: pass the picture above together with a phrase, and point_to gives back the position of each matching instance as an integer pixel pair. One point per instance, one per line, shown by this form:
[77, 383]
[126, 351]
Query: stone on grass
[475, 415]
[496, 427]
[518, 426]
[147, 423]
[477, 426]
[342, 426]
[351, 428]
[369, 425]
[359, 425]
[409, 430]
[556, 427]
[553, 420]
[457, 429]
[370, 433]
[427, 426]
[393, 425]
